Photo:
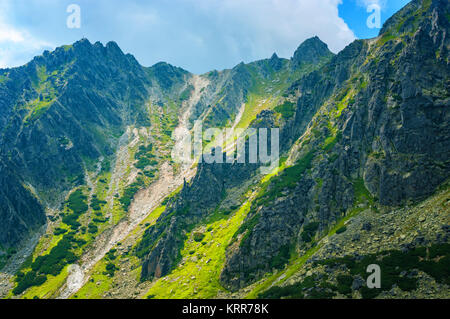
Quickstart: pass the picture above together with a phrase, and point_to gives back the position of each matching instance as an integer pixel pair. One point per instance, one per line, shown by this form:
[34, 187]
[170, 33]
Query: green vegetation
[92, 228]
[386, 38]
[50, 264]
[76, 203]
[433, 260]
[164, 120]
[287, 109]
[331, 141]
[49, 288]
[103, 276]
[145, 157]
[246, 228]
[266, 91]
[186, 94]
[129, 193]
[198, 237]
[96, 204]
[316, 290]
[59, 231]
[344, 284]
[25, 281]
[361, 192]
[143, 162]
[110, 269]
[309, 232]
[341, 230]
[281, 276]
[198, 277]
[43, 85]
[282, 258]
[287, 179]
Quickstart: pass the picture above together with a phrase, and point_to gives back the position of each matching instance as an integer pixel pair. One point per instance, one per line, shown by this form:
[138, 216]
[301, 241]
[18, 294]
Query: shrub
[111, 254]
[59, 231]
[92, 228]
[287, 109]
[198, 237]
[110, 269]
[28, 280]
[296, 291]
[282, 258]
[309, 231]
[344, 284]
[96, 204]
[129, 193]
[59, 256]
[144, 162]
[76, 203]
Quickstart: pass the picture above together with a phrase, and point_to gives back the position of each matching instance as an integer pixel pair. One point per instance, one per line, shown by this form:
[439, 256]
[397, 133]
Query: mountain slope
[65, 109]
[379, 138]
[364, 142]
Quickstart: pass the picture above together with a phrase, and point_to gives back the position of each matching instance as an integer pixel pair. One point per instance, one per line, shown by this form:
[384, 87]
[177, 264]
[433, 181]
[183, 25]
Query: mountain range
[93, 205]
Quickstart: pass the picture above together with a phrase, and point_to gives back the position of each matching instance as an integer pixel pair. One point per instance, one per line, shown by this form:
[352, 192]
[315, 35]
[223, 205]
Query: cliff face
[208, 191]
[66, 109]
[382, 125]
[370, 127]
[362, 132]
[20, 211]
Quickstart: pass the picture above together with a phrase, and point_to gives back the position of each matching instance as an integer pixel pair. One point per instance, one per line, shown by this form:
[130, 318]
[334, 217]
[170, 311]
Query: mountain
[85, 150]
[65, 109]
[380, 135]
[310, 51]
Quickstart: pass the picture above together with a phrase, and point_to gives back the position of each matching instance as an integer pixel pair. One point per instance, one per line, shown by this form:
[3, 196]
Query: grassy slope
[100, 282]
[198, 275]
[103, 218]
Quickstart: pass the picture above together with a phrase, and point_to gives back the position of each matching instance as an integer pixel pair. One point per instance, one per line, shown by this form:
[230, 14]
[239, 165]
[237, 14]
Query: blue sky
[354, 13]
[198, 35]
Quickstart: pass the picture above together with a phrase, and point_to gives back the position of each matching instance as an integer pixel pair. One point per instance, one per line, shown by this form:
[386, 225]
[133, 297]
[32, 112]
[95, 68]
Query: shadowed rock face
[20, 212]
[371, 119]
[65, 109]
[390, 137]
[310, 51]
[394, 135]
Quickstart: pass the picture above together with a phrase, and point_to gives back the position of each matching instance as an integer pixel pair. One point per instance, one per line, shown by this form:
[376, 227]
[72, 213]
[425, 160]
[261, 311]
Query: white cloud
[198, 35]
[16, 44]
[265, 26]
[367, 3]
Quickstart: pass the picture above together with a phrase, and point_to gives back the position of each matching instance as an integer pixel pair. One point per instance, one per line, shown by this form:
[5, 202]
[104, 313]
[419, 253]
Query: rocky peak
[275, 62]
[167, 75]
[310, 51]
[413, 14]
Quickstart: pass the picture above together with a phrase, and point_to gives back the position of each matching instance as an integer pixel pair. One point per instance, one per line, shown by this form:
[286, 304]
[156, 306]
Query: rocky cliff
[363, 172]
[381, 133]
